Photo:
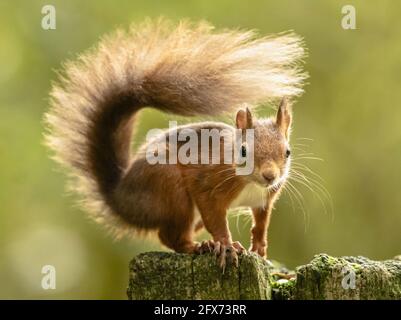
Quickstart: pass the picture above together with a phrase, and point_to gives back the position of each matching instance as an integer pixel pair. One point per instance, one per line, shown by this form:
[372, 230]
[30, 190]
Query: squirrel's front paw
[206, 246]
[222, 251]
[228, 251]
[259, 248]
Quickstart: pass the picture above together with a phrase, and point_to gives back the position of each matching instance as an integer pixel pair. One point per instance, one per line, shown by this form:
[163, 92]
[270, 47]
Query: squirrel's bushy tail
[187, 69]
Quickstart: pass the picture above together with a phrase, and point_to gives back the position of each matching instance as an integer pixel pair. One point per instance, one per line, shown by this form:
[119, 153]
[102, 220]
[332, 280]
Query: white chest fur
[253, 195]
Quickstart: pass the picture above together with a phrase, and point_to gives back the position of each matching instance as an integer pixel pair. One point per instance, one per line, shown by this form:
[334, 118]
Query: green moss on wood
[158, 275]
[346, 278]
[209, 280]
[161, 275]
[283, 289]
[255, 278]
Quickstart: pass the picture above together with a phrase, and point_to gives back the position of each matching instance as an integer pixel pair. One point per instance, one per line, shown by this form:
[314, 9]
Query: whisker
[288, 191]
[300, 145]
[307, 158]
[314, 192]
[316, 183]
[298, 148]
[299, 198]
[320, 191]
[222, 182]
[309, 139]
[225, 170]
[302, 166]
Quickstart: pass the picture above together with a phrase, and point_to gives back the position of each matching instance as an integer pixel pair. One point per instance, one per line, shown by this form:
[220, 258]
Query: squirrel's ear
[284, 117]
[243, 119]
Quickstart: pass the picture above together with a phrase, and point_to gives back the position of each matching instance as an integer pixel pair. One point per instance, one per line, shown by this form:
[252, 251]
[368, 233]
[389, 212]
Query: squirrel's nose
[269, 177]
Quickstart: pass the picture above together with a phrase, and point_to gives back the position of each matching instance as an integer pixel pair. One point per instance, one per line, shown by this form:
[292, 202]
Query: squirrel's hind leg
[178, 236]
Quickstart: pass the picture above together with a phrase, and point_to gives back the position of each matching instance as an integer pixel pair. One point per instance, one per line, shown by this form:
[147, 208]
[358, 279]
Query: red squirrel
[185, 69]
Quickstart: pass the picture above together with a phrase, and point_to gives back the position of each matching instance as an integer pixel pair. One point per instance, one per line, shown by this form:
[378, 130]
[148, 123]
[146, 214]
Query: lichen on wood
[347, 278]
[161, 275]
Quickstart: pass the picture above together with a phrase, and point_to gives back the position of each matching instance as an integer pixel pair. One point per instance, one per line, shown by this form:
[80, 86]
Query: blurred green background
[350, 110]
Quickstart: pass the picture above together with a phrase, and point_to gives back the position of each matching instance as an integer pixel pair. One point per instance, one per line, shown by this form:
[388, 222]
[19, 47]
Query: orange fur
[187, 69]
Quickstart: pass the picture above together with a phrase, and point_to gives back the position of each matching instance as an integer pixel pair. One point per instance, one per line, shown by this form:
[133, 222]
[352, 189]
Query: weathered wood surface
[162, 275]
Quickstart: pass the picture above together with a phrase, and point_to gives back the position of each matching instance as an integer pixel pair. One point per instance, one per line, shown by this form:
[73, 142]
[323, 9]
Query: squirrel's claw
[230, 252]
[206, 246]
[239, 247]
[227, 252]
[223, 252]
[217, 246]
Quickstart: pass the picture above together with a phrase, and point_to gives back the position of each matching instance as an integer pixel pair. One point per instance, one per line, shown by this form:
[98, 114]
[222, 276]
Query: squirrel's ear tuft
[243, 119]
[284, 117]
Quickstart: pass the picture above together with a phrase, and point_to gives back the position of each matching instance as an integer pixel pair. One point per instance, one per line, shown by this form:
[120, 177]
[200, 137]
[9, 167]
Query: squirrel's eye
[243, 151]
[287, 153]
